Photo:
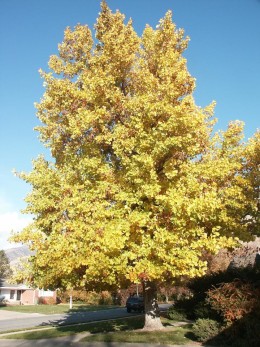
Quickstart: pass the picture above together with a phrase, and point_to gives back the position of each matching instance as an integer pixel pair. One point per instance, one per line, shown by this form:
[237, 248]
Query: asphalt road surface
[15, 320]
[28, 320]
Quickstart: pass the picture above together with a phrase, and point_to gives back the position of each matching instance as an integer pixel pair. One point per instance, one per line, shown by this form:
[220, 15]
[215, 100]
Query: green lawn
[54, 309]
[122, 330]
[175, 336]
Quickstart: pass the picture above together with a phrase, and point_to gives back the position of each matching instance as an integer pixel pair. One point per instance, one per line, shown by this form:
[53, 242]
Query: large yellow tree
[138, 188]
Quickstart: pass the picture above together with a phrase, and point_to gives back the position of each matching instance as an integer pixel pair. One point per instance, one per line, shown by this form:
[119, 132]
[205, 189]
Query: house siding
[29, 297]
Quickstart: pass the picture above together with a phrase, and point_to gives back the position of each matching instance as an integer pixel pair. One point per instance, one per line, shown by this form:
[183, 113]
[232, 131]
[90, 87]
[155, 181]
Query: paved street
[15, 320]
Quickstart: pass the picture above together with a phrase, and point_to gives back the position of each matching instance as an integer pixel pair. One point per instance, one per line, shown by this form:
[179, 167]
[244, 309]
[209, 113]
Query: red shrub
[234, 300]
[46, 301]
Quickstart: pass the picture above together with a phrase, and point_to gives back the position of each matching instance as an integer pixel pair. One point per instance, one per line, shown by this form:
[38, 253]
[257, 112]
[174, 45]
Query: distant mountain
[14, 254]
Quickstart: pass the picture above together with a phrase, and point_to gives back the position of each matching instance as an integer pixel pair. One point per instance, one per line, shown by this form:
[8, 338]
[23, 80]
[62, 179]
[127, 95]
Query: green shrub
[176, 314]
[188, 306]
[205, 329]
[204, 310]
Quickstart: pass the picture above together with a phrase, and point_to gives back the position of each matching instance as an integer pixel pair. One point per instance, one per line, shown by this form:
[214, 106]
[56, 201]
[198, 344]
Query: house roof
[5, 285]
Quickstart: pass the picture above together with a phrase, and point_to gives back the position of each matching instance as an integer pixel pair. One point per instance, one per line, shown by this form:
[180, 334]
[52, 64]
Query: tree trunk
[152, 311]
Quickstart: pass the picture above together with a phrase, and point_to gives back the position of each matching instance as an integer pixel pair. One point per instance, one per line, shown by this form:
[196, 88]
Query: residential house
[21, 294]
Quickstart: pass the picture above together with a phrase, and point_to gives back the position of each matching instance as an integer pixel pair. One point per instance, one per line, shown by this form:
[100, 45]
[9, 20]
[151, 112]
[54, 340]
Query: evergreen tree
[5, 270]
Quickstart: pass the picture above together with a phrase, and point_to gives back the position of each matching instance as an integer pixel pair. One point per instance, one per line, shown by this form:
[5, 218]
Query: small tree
[138, 187]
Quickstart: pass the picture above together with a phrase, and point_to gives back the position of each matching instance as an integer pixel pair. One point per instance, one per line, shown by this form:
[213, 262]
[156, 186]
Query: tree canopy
[139, 186]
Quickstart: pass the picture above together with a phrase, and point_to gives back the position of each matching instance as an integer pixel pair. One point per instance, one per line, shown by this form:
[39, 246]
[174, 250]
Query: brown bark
[152, 311]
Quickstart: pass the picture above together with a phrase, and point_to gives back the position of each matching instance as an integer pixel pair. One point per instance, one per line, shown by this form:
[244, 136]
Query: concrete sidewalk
[74, 341]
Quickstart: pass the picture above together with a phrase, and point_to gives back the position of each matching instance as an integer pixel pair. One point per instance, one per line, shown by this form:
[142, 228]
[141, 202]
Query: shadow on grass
[175, 335]
[122, 324]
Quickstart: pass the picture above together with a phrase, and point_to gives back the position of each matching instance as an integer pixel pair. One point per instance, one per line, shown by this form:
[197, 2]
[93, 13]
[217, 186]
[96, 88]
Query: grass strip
[14, 331]
[55, 309]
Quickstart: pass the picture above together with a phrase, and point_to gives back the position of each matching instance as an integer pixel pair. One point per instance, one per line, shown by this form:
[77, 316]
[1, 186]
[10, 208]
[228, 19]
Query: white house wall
[7, 294]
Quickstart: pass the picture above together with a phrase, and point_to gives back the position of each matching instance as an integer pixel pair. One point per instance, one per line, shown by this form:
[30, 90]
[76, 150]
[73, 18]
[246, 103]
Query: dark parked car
[135, 303]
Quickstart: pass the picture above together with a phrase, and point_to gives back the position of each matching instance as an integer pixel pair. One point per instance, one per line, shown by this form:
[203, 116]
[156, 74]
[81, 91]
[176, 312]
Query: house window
[12, 292]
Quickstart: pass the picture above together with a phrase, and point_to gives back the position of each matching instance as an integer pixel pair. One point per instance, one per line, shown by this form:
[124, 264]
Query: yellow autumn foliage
[139, 187]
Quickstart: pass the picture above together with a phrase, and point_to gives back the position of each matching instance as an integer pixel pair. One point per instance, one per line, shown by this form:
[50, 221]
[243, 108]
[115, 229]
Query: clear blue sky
[223, 55]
